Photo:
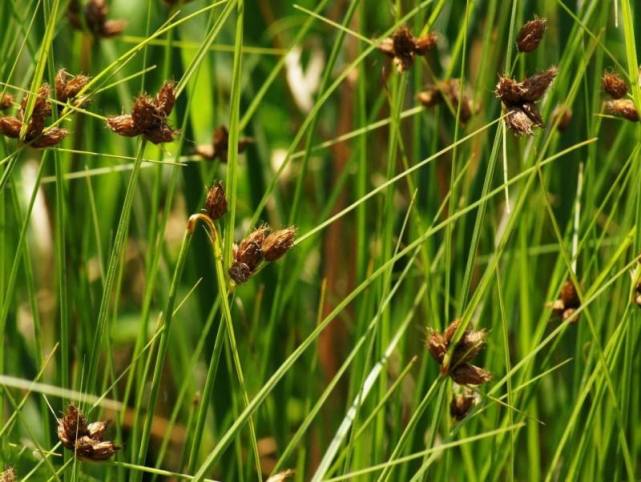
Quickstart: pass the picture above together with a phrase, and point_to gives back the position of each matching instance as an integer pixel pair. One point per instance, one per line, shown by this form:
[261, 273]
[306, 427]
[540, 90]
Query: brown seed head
[112, 28]
[568, 302]
[216, 202]
[68, 87]
[536, 85]
[436, 345]
[614, 85]
[249, 254]
[161, 135]
[531, 34]
[509, 91]
[562, 116]
[71, 426]
[239, 272]
[8, 475]
[96, 430]
[278, 243]
[519, 122]
[6, 101]
[533, 113]
[49, 138]
[10, 126]
[87, 441]
[430, 97]
[123, 125]
[425, 43]
[622, 108]
[468, 374]
[468, 347]
[74, 15]
[93, 450]
[96, 12]
[166, 98]
[41, 110]
[461, 405]
[145, 114]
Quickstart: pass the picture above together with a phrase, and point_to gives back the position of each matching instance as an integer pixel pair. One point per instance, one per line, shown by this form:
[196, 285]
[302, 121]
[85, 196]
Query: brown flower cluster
[36, 135]
[148, 117]
[403, 47]
[530, 35]
[215, 202]
[95, 18]
[219, 147]
[8, 475]
[519, 100]
[69, 86]
[618, 106]
[561, 117]
[462, 403]
[459, 367]
[6, 101]
[448, 91]
[567, 303]
[86, 440]
[261, 244]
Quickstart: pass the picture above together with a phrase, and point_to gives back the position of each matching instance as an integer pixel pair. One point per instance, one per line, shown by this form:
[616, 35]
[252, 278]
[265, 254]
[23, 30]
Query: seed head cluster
[218, 149]
[216, 202]
[462, 403]
[148, 117]
[86, 440]
[459, 366]
[35, 135]
[261, 244]
[8, 475]
[403, 47]
[450, 92]
[530, 35]
[94, 18]
[6, 101]
[567, 303]
[69, 86]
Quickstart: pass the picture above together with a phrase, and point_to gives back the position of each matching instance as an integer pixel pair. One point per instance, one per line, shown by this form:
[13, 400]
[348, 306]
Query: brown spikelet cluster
[614, 85]
[261, 244]
[69, 86]
[8, 475]
[219, 147]
[403, 47]
[94, 17]
[567, 303]
[519, 99]
[216, 202]
[6, 101]
[459, 366]
[624, 108]
[36, 135]
[530, 35]
[462, 403]
[148, 117]
[86, 440]
[450, 92]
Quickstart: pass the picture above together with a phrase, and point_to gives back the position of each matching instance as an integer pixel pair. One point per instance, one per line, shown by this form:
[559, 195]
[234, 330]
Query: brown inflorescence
[35, 135]
[148, 117]
[403, 47]
[622, 108]
[216, 202]
[6, 101]
[219, 147]
[448, 91]
[86, 440]
[69, 86]
[95, 18]
[567, 303]
[530, 35]
[519, 99]
[8, 475]
[261, 244]
[461, 404]
[464, 351]
[614, 85]
[561, 117]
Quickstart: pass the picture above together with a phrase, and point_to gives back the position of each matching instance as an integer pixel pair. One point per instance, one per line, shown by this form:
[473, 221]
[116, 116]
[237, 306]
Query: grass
[115, 288]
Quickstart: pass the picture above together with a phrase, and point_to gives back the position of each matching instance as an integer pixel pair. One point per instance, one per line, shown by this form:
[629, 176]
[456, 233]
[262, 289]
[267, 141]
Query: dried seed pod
[519, 122]
[536, 85]
[436, 345]
[249, 253]
[123, 125]
[6, 101]
[533, 113]
[49, 138]
[509, 91]
[145, 114]
[86, 440]
[622, 108]
[278, 243]
[239, 272]
[568, 301]
[10, 127]
[161, 135]
[219, 147]
[403, 47]
[562, 116]
[96, 12]
[41, 110]
[216, 202]
[166, 98]
[68, 87]
[461, 405]
[8, 475]
[531, 34]
[468, 347]
[614, 85]
[468, 374]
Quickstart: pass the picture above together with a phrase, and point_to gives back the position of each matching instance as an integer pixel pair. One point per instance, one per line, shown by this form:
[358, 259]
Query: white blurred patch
[304, 84]
[40, 226]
